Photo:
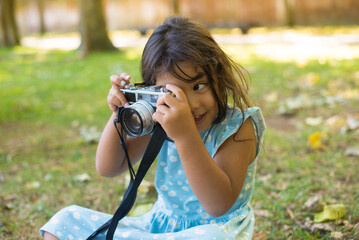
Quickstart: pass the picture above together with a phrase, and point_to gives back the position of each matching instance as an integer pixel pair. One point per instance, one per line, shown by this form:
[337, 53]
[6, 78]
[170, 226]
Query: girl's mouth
[198, 119]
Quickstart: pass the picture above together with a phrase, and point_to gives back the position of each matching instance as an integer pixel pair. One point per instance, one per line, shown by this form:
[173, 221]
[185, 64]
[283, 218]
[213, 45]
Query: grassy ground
[51, 102]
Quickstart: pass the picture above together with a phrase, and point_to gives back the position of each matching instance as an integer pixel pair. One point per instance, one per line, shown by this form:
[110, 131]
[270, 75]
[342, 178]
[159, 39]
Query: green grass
[47, 97]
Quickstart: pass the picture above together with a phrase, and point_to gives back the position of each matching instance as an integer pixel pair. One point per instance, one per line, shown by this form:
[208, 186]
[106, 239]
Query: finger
[121, 97]
[115, 81]
[157, 117]
[113, 108]
[167, 100]
[125, 76]
[116, 97]
[113, 102]
[180, 95]
[162, 109]
[120, 81]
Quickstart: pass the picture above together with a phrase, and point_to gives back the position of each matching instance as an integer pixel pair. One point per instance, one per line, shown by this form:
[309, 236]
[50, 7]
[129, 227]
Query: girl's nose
[193, 102]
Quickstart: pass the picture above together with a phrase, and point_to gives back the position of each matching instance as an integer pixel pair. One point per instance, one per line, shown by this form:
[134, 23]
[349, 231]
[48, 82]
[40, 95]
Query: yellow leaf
[140, 210]
[330, 212]
[315, 140]
[314, 78]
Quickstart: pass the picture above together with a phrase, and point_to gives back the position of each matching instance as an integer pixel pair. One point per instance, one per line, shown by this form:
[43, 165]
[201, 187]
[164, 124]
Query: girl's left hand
[174, 114]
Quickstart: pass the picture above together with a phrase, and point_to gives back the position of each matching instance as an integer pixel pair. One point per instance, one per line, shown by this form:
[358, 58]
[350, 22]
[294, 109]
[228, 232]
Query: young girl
[205, 177]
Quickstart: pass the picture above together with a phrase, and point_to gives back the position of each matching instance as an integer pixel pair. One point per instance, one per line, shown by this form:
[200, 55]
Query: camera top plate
[150, 94]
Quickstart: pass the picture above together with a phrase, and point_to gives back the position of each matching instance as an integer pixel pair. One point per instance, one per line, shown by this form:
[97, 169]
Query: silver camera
[136, 120]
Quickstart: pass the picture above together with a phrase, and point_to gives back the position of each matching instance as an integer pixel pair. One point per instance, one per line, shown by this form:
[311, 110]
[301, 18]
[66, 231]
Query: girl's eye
[199, 86]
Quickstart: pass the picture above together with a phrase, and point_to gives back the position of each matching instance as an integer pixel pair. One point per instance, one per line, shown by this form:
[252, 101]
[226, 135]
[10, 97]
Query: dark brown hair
[181, 40]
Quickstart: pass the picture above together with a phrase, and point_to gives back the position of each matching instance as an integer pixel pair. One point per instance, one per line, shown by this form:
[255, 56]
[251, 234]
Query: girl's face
[199, 94]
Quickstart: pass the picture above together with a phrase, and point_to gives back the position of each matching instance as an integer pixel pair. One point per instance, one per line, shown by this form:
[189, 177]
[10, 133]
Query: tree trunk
[9, 35]
[289, 11]
[93, 29]
[41, 9]
[176, 7]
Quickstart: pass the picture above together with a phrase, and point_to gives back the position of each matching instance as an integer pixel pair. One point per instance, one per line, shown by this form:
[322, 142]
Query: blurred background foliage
[303, 57]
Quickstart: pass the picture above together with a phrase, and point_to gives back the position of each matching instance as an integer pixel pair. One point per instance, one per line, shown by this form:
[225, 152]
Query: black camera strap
[153, 148]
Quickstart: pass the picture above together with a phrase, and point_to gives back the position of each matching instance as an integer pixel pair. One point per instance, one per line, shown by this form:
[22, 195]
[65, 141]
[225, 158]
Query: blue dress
[177, 214]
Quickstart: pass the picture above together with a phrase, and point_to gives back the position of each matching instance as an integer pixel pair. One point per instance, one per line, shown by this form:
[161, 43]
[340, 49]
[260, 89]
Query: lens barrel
[136, 120]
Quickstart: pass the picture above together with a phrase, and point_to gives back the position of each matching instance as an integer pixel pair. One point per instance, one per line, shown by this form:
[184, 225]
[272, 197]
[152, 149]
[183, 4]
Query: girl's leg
[73, 222]
[49, 236]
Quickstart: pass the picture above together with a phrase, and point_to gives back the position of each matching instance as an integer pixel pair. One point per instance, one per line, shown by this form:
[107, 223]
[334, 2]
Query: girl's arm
[110, 157]
[217, 181]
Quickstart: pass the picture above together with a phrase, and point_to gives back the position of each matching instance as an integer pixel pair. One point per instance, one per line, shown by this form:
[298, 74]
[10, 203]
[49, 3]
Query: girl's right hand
[115, 97]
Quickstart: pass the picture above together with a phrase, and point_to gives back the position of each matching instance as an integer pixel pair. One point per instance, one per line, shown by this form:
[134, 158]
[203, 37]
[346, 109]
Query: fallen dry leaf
[322, 227]
[287, 230]
[337, 235]
[352, 151]
[353, 123]
[32, 185]
[335, 122]
[356, 228]
[84, 177]
[262, 213]
[90, 134]
[2, 178]
[290, 213]
[314, 204]
[259, 236]
[313, 121]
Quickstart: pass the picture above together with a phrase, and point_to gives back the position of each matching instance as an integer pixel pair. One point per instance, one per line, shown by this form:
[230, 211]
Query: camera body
[136, 120]
[140, 92]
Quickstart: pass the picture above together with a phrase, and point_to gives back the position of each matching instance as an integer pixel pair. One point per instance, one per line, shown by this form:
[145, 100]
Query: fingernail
[127, 105]
[123, 83]
[167, 85]
[127, 77]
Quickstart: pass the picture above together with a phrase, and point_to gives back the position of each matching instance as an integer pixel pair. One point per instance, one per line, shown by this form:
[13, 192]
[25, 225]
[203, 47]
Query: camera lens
[132, 122]
[136, 120]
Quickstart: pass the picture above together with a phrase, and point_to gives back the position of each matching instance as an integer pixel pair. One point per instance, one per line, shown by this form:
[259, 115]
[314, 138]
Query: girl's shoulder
[230, 125]
[235, 117]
